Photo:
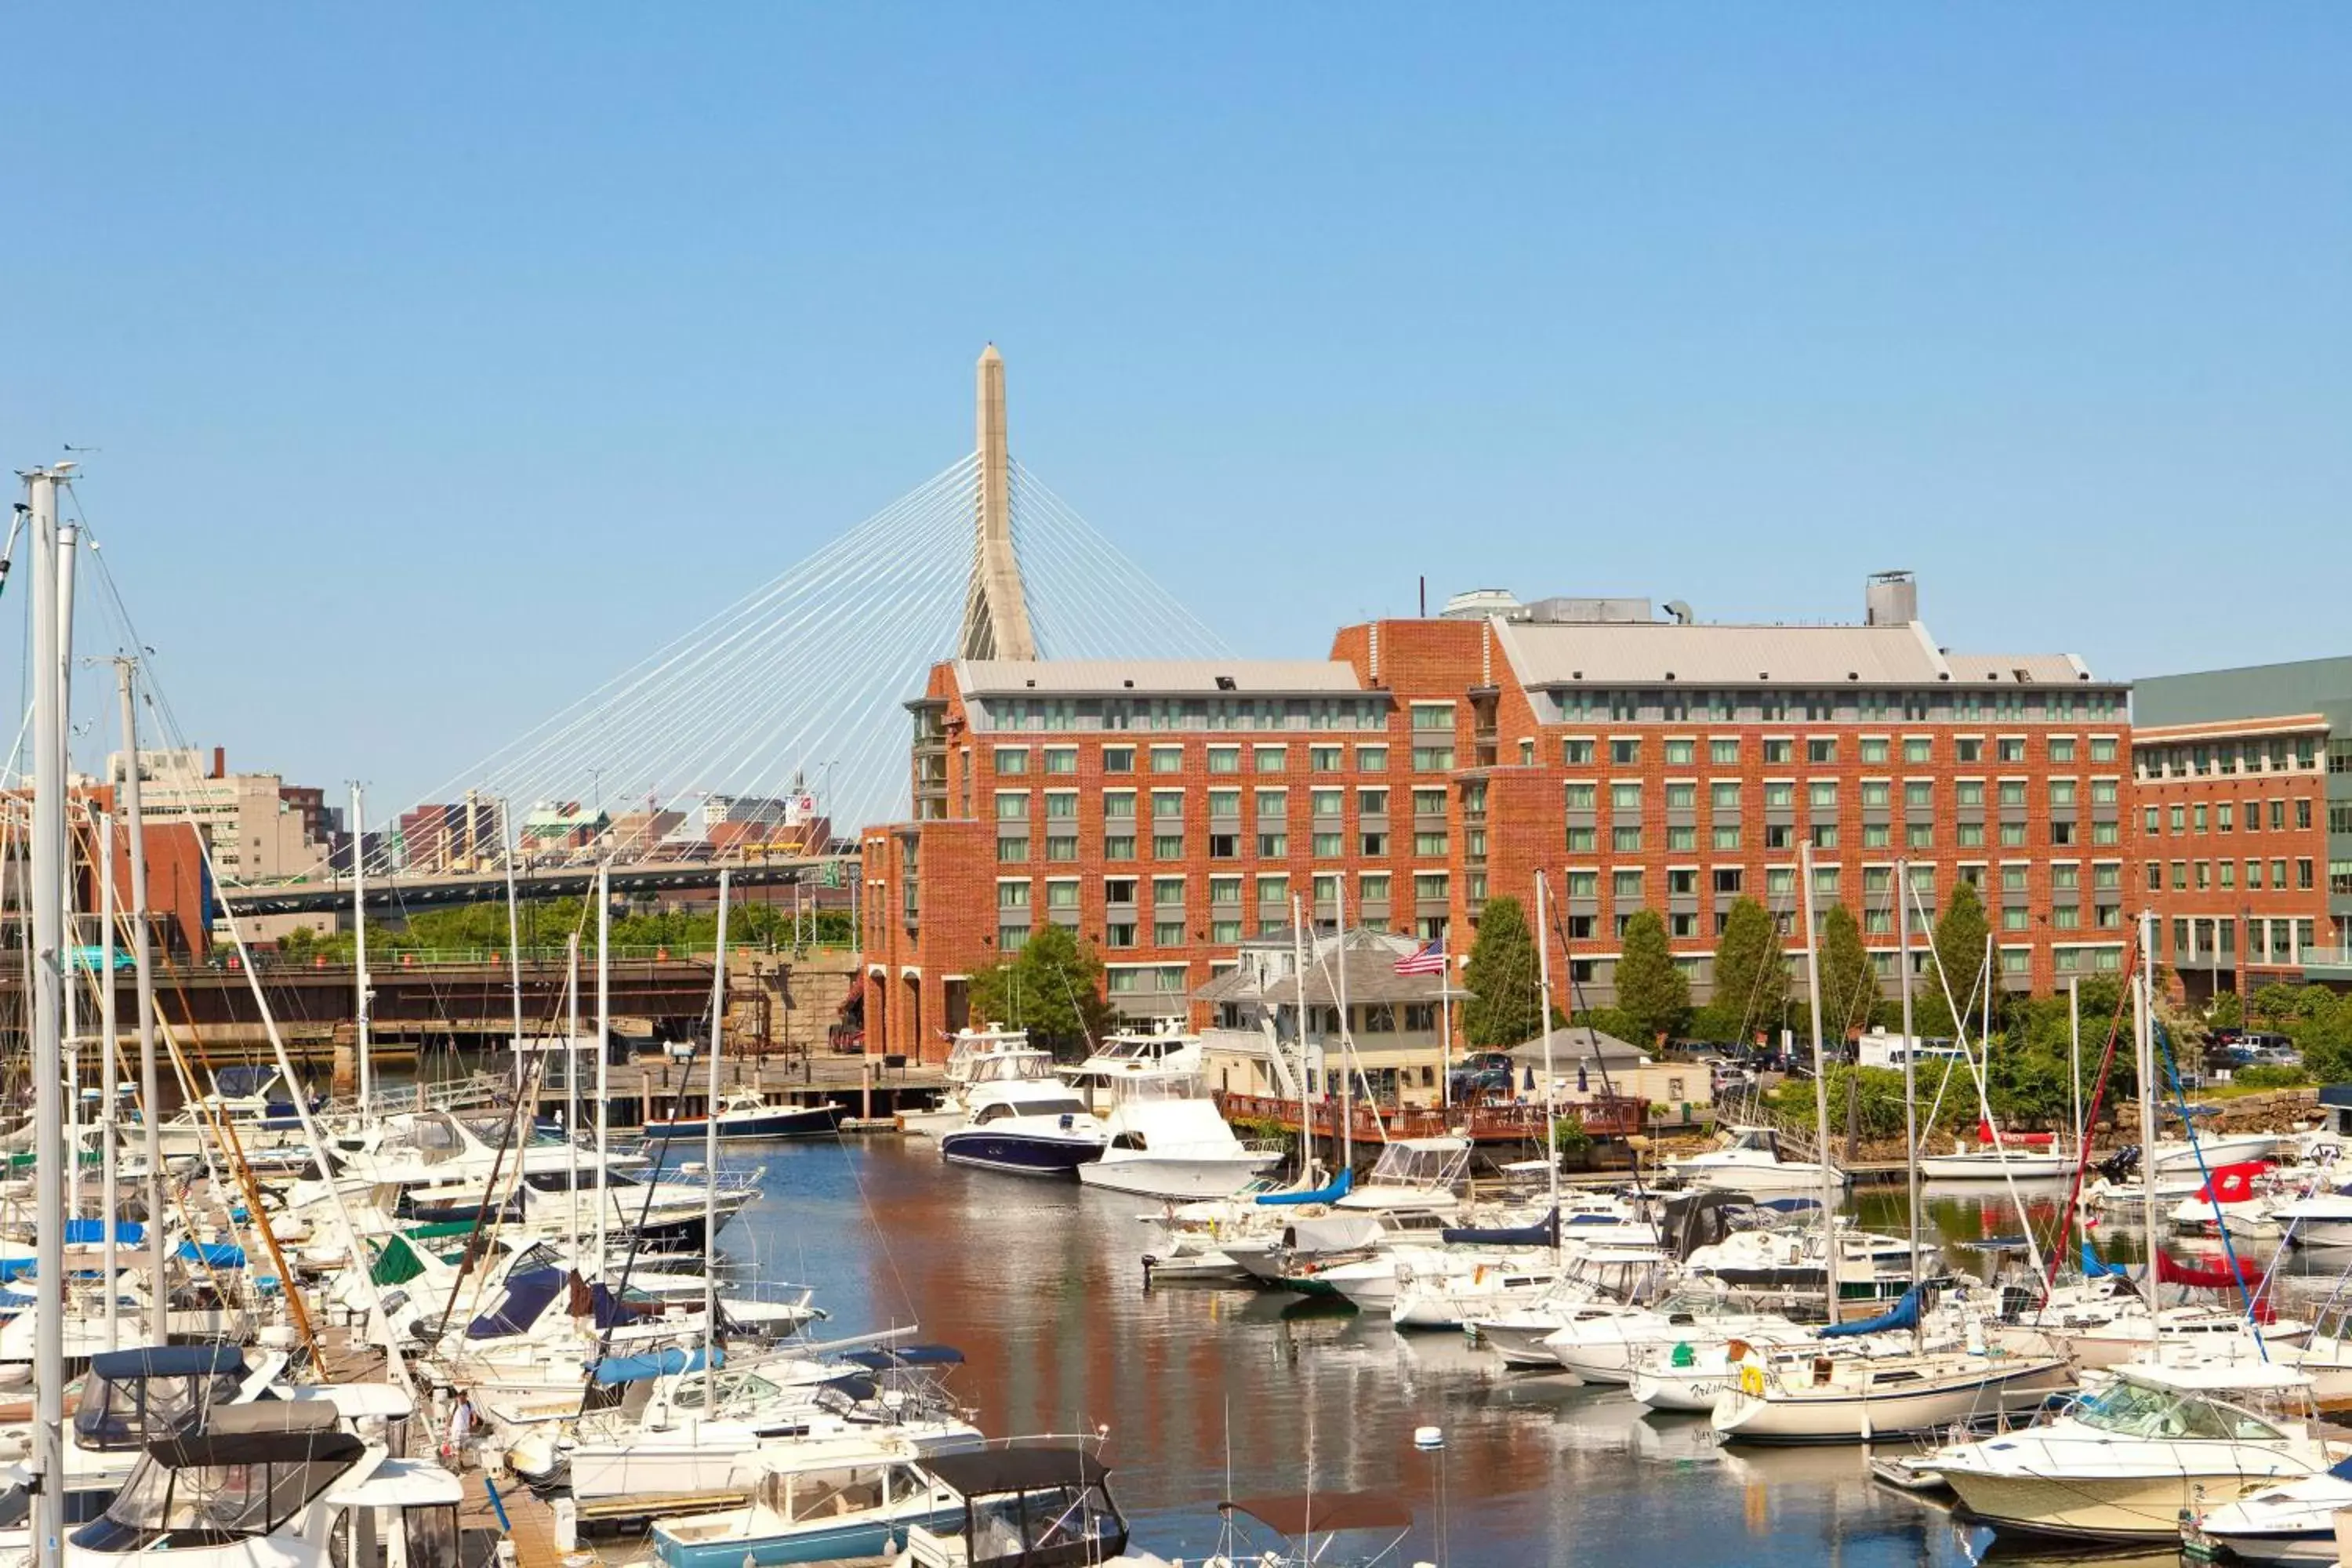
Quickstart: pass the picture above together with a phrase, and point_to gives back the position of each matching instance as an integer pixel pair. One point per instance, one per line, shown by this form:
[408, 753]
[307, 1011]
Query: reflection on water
[1039, 1284]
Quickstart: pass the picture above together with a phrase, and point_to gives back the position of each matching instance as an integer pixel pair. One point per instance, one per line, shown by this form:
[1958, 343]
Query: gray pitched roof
[1186, 678]
[1579, 1045]
[1623, 653]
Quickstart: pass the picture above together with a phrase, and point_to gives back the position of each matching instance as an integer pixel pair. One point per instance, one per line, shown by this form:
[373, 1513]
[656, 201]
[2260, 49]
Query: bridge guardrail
[495, 957]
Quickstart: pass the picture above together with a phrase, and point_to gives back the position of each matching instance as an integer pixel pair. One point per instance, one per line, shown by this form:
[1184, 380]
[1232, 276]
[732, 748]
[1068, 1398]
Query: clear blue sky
[444, 358]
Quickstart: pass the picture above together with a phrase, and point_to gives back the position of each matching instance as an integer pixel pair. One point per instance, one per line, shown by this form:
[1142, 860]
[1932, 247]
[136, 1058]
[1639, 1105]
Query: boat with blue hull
[1025, 1121]
[744, 1117]
[816, 1501]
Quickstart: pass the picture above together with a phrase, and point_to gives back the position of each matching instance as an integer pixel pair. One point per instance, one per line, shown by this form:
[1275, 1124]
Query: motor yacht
[971, 1047]
[745, 1116]
[1749, 1161]
[1168, 1140]
[1023, 1120]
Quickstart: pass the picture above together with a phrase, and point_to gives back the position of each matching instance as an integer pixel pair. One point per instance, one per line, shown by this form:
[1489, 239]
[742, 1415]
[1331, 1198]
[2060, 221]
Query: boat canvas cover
[2097, 1267]
[1330, 1192]
[212, 1254]
[1305, 1513]
[527, 1297]
[273, 1432]
[619, 1369]
[897, 1356]
[985, 1472]
[1545, 1232]
[1906, 1315]
[168, 1361]
[92, 1232]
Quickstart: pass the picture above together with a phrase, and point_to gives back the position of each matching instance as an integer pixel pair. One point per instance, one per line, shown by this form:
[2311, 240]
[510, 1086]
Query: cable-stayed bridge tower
[995, 611]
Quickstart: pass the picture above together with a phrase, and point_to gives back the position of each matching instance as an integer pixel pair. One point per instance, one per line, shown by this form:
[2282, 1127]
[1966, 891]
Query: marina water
[1211, 1391]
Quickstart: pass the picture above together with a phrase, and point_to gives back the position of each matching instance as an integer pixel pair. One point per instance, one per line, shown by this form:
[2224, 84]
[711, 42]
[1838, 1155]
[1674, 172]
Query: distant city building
[256, 828]
[1169, 812]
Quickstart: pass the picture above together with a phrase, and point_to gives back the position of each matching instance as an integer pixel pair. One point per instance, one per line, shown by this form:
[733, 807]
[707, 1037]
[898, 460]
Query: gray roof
[1160, 677]
[1233, 985]
[1579, 1045]
[1653, 652]
[2038, 669]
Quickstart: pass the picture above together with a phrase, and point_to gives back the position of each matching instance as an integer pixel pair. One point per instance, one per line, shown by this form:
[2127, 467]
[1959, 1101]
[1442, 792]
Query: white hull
[2182, 1159]
[1988, 1167]
[2111, 1508]
[1174, 1176]
[1850, 1415]
[1784, 1177]
[1683, 1388]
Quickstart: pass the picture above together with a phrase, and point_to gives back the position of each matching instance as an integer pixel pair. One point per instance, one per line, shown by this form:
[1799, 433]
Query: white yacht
[2126, 1463]
[971, 1047]
[1168, 1140]
[1163, 1052]
[2280, 1527]
[1749, 1161]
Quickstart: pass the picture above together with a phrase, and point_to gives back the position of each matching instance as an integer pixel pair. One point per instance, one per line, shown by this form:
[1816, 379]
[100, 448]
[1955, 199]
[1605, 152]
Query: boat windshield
[2133, 1410]
[1157, 1090]
[1003, 1109]
[1419, 1164]
[1012, 1067]
[130, 1412]
[207, 1505]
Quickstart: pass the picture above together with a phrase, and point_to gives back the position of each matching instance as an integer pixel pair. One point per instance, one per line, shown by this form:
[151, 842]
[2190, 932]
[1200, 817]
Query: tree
[1751, 971]
[1849, 981]
[1650, 989]
[1504, 1006]
[1052, 988]
[2226, 1011]
[1959, 941]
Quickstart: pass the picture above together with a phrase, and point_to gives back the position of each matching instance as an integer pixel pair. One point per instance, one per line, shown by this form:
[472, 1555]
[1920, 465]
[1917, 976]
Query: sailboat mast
[2075, 1058]
[151, 1106]
[507, 846]
[571, 1078]
[109, 1077]
[1821, 1089]
[1305, 1104]
[604, 1059]
[710, 1151]
[1910, 1065]
[68, 538]
[48, 851]
[1551, 1116]
[1347, 1049]
[359, 949]
[2144, 1040]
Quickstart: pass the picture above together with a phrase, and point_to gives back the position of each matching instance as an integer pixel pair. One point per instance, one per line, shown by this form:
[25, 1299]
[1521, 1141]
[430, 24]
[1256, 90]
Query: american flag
[1430, 960]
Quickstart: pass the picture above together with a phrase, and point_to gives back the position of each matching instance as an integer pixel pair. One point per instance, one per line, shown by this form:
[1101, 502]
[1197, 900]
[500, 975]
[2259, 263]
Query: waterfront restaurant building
[1169, 812]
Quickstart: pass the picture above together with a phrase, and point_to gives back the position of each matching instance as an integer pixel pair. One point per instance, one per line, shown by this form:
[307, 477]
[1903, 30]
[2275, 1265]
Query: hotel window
[1576, 754]
[1430, 887]
[2102, 748]
[1012, 895]
[1167, 759]
[1583, 884]
[2278, 873]
[1272, 805]
[1270, 759]
[2066, 878]
[1684, 839]
[1061, 895]
[1065, 847]
[1323, 758]
[1918, 835]
[1012, 939]
[1625, 797]
[1011, 806]
[2303, 813]
[2012, 836]
[1779, 882]
[1012, 761]
[2204, 873]
[1372, 801]
[1918, 749]
[2010, 748]
[1725, 836]
[1371, 759]
[1626, 887]
[1324, 802]
[1968, 835]
[1119, 759]
[1372, 888]
[2229, 873]
[1119, 890]
[1918, 794]
[1968, 791]
[1225, 802]
[1681, 753]
[1780, 752]
[2303, 876]
[1820, 794]
[2151, 821]
[1580, 796]
[2179, 819]
[1820, 748]
[2254, 875]
[1329, 845]
[1425, 845]
[2179, 876]
[2196, 818]
[1780, 795]
[1624, 752]
[2062, 750]
[1225, 759]
[1780, 836]
[1878, 922]
[1225, 932]
[1061, 759]
[2156, 876]
[1272, 846]
[1876, 835]
[2013, 879]
[1273, 888]
[1582, 840]
[1119, 803]
[1682, 797]
[1433, 759]
[1728, 879]
[2014, 918]
[1723, 753]
[1968, 749]
[2063, 792]
[1225, 890]
[2107, 876]
[1722, 795]
[1167, 890]
[2012, 792]
[1121, 846]
[1013, 851]
[1873, 749]
[2225, 816]
[1877, 794]
[1682, 882]
[1429, 803]
[1825, 881]
[2063, 833]
[1625, 840]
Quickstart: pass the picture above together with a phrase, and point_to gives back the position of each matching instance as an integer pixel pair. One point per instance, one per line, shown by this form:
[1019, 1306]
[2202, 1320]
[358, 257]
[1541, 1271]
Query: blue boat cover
[1331, 1192]
[1906, 1315]
[167, 1360]
[2095, 1268]
[527, 1297]
[92, 1232]
[1545, 1232]
[14, 1269]
[2342, 1469]
[619, 1369]
[212, 1254]
[608, 1310]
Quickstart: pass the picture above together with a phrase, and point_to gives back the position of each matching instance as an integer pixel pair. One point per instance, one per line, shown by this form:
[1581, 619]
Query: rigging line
[872, 574]
[1095, 605]
[1102, 544]
[797, 578]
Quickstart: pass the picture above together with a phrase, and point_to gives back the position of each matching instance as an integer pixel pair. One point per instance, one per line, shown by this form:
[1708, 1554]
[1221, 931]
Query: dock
[871, 1091]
